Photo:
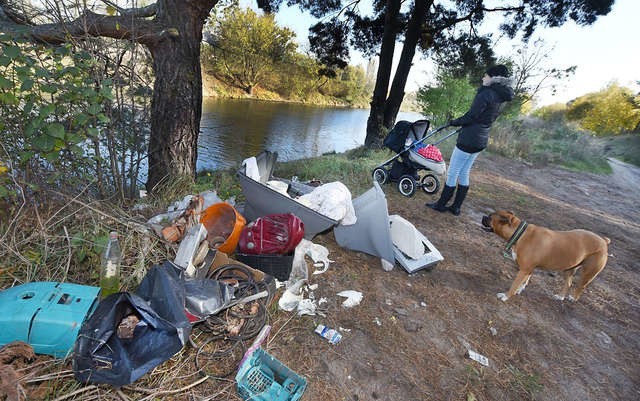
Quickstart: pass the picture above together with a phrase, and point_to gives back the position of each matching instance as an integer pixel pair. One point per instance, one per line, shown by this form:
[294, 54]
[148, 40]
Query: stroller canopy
[403, 130]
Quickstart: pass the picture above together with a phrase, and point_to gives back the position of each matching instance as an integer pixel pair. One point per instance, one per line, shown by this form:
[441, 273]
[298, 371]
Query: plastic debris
[478, 358]
[257, 342]
[307, 307]
[189, 247]
[353, 298]
[289, 300]
[332, 335]
[332, 200]
[386, 265]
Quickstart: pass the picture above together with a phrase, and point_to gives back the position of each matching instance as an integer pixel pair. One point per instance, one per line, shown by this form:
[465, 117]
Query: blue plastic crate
[47, 315]
[263, 378]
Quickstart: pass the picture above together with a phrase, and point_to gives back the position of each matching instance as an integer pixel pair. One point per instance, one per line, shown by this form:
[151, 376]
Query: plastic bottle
[110, 271]
[332, 335]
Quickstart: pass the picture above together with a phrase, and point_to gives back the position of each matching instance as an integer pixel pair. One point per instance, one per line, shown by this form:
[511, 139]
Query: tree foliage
[449, 98]
[74, 116]
[531, 74]
[237, 35]
[611, 111]
[443, 27]
[433, 26]
[247, 47]
[52, 112]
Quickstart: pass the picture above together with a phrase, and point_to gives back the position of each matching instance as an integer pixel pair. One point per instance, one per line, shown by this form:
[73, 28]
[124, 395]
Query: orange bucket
[223, 224]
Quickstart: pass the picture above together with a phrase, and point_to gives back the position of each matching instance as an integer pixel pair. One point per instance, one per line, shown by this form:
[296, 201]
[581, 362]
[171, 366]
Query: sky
[605, 52]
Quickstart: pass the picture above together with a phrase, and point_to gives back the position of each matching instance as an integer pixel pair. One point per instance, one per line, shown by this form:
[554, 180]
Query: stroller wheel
[381, 175]
[430, 184]
[407, 185]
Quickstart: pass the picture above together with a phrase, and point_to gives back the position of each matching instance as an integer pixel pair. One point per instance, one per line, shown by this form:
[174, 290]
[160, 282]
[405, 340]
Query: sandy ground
[409, 337]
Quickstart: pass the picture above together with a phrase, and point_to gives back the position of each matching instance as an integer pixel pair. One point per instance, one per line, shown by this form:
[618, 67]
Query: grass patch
[544, 143]
[224, 182]
[525, 382]
[352, 168]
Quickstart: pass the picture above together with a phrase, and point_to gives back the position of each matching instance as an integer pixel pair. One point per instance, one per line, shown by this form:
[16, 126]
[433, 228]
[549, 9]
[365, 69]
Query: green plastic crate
[263, 378]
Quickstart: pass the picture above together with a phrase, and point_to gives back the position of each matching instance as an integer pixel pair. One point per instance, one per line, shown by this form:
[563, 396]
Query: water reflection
[232, 130]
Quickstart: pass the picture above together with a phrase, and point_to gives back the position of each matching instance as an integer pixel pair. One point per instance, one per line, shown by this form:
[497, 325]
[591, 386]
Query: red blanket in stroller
[430, 152]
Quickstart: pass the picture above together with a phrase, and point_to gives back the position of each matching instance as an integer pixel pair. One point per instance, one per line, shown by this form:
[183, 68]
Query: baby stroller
[407, 140]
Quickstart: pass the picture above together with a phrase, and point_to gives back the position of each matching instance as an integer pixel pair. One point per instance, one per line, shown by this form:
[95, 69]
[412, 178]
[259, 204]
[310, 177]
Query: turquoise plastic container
[47, 315]
[263, 378]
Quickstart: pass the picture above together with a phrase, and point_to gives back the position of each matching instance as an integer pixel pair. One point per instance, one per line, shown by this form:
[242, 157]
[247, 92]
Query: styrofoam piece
[279, 186]
[406, 237]
[478, 357]
[430, 257]
[189, 247]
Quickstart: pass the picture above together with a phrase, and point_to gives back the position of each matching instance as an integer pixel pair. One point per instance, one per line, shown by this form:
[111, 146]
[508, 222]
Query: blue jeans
[459, 167]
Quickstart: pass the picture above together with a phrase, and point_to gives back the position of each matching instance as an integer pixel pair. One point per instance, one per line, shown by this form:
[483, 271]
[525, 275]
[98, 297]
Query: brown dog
[533, 246]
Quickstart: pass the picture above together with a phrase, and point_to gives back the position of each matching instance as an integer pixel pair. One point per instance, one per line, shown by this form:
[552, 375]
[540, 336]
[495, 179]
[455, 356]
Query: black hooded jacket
[484, 110]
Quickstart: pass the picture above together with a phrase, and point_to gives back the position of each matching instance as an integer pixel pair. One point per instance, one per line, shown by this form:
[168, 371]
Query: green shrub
[52, 112]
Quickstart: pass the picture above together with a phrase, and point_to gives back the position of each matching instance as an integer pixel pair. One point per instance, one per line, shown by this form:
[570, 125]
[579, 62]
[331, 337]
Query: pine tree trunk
[177, 93]
[396, 94]
[374, 123]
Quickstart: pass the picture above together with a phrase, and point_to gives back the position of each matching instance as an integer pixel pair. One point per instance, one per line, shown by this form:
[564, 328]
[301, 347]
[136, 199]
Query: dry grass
[63, 242]
[60, 239]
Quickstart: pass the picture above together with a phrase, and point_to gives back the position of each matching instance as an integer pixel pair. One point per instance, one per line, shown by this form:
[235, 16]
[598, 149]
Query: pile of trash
[230, 261]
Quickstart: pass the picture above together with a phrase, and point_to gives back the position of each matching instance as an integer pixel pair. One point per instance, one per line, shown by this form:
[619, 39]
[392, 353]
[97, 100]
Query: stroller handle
[435, 132]
[444, 138]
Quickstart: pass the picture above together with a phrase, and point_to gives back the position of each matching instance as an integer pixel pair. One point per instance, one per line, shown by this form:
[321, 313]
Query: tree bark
[374, 123]
[396, 94]
[177, 92]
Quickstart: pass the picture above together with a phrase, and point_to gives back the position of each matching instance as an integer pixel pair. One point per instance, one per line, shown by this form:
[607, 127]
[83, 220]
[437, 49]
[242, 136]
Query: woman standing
[474, 135]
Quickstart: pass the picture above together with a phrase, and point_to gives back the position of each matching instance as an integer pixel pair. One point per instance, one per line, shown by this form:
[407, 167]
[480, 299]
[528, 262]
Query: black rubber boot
[440, 205]
[461, 193]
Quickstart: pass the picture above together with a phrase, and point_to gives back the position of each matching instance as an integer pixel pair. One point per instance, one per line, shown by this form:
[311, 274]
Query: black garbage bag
[107, 351]
[163, 288]
[103, 355]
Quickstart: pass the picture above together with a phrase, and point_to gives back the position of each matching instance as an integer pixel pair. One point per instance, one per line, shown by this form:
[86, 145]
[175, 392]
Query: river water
[232, 130]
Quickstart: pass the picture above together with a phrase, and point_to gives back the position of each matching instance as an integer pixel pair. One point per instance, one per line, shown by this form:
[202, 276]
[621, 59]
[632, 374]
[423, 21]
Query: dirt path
[627, 176]
[409, 337]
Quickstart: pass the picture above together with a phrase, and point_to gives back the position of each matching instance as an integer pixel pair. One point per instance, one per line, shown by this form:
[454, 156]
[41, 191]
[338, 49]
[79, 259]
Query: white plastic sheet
[332, 200]
[353, 298]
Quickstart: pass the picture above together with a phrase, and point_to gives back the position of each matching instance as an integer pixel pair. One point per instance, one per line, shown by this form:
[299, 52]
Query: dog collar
[514, 238]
